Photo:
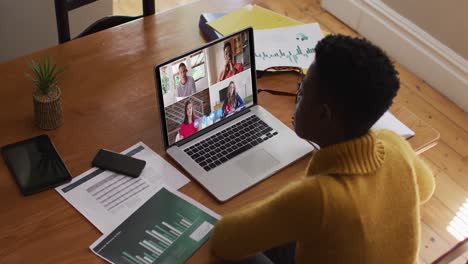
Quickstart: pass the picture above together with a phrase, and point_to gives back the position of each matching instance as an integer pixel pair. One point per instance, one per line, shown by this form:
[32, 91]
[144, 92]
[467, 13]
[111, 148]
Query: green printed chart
[166, 229]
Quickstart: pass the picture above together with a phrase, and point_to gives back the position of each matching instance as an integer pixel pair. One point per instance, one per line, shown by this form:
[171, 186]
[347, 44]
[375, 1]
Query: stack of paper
[106, 198]
[251, 16]
[279, 40]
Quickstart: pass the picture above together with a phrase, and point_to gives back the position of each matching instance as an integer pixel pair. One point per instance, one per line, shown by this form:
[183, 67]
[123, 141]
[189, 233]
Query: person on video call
[360, 196]
[188, 127]
[233, 101]
[230, 68]
[186, 85]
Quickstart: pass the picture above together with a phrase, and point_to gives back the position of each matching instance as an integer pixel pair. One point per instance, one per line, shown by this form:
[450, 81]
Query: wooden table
[110, 102]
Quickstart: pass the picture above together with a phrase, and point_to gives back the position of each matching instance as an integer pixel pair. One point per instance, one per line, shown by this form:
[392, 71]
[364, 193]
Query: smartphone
[116, 162]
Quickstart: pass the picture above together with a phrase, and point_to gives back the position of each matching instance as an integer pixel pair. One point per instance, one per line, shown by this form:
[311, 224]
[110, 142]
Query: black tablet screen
[35, 164]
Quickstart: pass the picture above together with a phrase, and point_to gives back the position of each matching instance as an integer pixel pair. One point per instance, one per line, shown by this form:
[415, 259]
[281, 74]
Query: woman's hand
[213, 258]
[228, 67]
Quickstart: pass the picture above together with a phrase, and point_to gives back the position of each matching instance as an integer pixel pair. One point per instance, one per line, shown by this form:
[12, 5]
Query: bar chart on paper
[166, 229]
[162, 237]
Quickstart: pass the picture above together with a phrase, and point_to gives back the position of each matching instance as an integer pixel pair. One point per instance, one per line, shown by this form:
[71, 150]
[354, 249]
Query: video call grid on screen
[211, 83]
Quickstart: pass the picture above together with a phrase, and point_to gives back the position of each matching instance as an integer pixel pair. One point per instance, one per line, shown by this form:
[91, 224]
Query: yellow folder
[251, 15]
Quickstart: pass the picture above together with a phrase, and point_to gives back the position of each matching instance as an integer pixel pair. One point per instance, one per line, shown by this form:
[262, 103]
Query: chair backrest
[453, 254]
[62, 7]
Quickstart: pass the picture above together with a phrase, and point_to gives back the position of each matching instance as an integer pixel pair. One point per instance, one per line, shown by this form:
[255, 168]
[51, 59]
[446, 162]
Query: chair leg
[63, 27]
[148, 7]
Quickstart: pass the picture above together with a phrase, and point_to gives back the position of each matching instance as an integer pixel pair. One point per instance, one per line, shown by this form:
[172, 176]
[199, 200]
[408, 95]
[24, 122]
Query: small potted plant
[47, 102]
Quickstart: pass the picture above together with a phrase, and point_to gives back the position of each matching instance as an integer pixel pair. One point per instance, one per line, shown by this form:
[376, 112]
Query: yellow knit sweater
[358, 203]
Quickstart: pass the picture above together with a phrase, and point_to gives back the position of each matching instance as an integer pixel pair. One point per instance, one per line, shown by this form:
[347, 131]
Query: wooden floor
[448, 160]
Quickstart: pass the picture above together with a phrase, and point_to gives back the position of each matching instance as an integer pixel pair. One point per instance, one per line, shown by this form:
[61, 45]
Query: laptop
[212, 124]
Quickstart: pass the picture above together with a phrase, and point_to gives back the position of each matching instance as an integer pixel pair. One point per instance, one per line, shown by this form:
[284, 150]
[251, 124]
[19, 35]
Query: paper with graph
[168, 228]
[286, 46]
[107, 198]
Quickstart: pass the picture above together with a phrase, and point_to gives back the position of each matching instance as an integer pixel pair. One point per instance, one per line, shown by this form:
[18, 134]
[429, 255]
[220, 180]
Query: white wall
[445, 20]
[170, 96]
[423, 54]
[29, 25]
[216, 62]
[202, 84]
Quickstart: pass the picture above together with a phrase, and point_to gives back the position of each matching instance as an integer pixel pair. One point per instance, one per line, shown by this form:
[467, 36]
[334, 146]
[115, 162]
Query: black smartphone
[116, 162]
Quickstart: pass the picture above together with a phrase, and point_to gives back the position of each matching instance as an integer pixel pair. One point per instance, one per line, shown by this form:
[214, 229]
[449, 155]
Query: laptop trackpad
[257, 163]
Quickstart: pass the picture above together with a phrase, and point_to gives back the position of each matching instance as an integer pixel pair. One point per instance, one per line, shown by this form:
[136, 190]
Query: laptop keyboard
[230, 142]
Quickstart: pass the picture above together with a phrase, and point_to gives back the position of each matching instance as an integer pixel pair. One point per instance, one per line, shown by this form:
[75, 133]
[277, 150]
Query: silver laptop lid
[207, 87]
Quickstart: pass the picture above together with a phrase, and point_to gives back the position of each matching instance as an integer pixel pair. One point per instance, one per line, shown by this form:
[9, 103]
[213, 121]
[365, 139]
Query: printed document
[106, 198]
[286, 46]
[390, 122]
[168, 228]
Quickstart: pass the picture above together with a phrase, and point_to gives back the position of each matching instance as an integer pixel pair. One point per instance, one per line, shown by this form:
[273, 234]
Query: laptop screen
[206, 86]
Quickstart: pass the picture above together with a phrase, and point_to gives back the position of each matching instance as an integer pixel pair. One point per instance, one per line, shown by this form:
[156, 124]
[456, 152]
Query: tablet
[35, 164]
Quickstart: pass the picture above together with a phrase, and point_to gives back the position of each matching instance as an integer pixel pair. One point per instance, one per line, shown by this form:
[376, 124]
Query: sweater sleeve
[240, 102]
[423, 175]
[424, 179]
[272, 222]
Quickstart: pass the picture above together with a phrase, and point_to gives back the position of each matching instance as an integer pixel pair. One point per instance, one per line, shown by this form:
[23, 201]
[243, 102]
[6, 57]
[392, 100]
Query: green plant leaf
[44, 74]
[46, 64]
[46, 68]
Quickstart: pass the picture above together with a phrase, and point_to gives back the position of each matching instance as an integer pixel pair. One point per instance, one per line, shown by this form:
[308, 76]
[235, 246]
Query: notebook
[251, 16]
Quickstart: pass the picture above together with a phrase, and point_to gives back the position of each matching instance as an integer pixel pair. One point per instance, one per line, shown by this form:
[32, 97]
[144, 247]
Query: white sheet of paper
[390, 122]
[106, 198]
[286, 46]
